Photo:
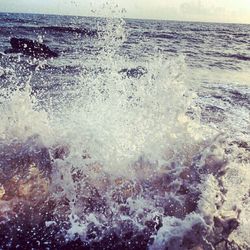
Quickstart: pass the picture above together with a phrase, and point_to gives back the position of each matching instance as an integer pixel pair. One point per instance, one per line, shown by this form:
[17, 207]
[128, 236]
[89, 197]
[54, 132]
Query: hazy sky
[236, 11]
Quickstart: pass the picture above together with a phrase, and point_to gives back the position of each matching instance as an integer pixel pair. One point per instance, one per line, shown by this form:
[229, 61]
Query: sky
[229, 11]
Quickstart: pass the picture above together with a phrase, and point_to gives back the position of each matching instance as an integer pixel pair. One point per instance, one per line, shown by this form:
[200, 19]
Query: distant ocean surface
[136, 137]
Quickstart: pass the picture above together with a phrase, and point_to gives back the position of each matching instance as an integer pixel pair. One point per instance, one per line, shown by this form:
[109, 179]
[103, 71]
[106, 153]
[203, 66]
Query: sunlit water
[136, 137]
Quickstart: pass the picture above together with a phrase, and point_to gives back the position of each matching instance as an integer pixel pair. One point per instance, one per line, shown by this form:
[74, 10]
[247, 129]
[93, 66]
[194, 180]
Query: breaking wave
[120, 162]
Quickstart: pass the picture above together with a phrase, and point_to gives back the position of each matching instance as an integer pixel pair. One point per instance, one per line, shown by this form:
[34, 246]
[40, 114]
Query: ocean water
[135, 137]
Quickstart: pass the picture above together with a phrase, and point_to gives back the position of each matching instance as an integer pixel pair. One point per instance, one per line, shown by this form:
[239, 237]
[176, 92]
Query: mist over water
[128, 140]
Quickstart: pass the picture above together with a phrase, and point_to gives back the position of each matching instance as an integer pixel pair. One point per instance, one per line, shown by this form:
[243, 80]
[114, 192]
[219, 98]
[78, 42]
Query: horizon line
[132, 18]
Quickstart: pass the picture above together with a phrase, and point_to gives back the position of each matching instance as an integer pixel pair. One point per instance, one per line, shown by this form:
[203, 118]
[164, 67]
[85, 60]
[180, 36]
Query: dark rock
[25, 168]
[137, 72]
[30, 48]
[18, 156]
[225, 226]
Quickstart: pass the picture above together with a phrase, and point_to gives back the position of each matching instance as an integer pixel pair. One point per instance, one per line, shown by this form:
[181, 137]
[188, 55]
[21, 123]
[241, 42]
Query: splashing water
[120, 164]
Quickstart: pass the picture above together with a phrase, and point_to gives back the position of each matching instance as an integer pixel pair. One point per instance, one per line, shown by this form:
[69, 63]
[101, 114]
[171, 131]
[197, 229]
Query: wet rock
[124, 189]
[60, 152]
[155, 224]
[174, 192]
[224, 227]
[242, 144]
[214, 166]
[25, 169]
[25, 205]
[30, 48]
[137, 72]
[17, 157]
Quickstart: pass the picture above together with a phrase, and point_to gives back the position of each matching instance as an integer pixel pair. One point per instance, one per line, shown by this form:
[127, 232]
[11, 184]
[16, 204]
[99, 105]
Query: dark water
[135, 137]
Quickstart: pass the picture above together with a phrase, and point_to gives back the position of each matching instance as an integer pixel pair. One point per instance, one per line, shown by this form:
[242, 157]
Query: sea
[137, 136]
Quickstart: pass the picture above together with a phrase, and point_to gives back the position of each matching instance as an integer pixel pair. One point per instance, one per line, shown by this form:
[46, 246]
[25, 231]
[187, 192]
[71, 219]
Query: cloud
[197, 9]
[194, 8]
[216, 11]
